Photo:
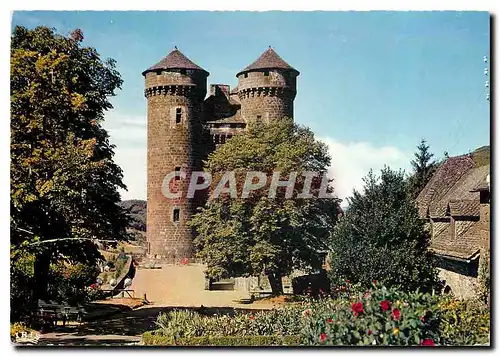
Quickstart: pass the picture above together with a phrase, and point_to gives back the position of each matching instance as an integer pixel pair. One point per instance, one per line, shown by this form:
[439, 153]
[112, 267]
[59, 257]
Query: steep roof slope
[175, 60]
[268, 60]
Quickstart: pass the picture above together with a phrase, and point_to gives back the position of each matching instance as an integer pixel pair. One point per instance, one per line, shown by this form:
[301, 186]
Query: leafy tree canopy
[64, 183]
[381, 237]
[423, 168]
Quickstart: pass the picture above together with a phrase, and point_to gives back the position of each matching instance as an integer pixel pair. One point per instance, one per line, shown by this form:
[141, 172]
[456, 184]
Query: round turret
[267, 88]
[175, 88]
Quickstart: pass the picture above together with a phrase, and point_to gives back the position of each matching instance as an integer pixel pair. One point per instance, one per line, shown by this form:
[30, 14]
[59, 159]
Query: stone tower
[175, 89]
[267, 88]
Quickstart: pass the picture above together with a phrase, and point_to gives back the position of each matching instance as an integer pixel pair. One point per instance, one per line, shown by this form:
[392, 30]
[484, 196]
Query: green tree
[381, 237]
[423, 168]
[261, 235]
[64, 183]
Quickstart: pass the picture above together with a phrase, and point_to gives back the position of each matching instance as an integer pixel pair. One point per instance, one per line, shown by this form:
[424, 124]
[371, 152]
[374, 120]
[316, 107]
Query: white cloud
[350, 161]
[129, 134]
[353, 160]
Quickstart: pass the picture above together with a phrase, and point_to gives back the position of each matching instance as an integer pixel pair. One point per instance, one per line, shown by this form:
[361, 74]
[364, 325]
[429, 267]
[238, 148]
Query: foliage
[423, 168]
[481, 156]
[381, 237]
[261, 235]
[120, 265]
[380, 316]
[186, 323]
[464, 323]
[484, 276]
[64, 183]
[152, 338]
[17, 328]
[22, 281]
[377, 316]
[71, 283]
[137, 210]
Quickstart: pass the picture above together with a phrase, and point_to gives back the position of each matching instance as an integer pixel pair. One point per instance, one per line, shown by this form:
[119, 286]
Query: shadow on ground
[121, 328]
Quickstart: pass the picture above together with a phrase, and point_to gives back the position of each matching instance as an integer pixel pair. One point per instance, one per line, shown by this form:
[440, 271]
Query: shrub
[379, 317]
[464, 323]
[70, 282]
[158, 339]
[17, 328]
[382, 237]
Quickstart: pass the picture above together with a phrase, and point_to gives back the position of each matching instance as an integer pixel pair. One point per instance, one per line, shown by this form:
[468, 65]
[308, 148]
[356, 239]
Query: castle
[184, 126]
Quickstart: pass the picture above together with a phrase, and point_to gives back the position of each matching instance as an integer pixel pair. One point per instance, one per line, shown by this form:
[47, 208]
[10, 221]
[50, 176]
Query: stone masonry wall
[266, 97]
[171, 145]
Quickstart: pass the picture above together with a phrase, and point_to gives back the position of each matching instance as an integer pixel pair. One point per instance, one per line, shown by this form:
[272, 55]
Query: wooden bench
[53, 312]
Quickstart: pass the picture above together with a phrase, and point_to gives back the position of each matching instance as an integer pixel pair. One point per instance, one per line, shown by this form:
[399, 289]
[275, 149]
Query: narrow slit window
[216, 139]
[177, 214]
[177, 173]
[259, 118]
[178, 115]
[223, 139]
[266, 73]
[246, 75]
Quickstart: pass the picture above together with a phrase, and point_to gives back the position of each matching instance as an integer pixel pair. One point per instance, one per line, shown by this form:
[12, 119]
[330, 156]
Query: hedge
[151, 338]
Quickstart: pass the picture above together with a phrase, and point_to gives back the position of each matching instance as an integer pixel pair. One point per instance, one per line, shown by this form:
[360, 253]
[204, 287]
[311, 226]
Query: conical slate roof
[268, 60]
[175, 60]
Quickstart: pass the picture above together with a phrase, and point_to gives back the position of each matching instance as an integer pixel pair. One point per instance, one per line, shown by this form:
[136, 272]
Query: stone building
[185, 125]
[456, 204]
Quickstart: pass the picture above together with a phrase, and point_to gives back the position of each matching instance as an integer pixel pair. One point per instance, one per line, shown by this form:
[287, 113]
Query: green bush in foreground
[464, 323]
[152, 338]
[380, 317]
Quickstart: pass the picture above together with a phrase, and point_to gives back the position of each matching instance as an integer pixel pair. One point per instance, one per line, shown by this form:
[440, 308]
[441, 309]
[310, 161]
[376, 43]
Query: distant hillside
[136, 209]
[481, 156]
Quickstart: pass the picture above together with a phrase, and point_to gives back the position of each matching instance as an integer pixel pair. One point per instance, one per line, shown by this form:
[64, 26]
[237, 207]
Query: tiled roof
[464, 207]
[454, 180]
[175, 60]
[450, 192]
[268, 60]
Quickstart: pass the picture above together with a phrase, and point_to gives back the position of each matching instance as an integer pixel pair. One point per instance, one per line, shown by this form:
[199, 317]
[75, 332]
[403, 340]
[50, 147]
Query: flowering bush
[379, 317]
[464, 322]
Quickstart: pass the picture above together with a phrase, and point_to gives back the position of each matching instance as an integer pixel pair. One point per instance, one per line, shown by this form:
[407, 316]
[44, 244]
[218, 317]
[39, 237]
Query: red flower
[396, 314]
[322, 337]
[374, 281]
[369, 332]
[347, 281]
[321, 291]
[385, 305]
[428, 342]
[329, 320]
[251, 317]
[422, 319]
[357, 308]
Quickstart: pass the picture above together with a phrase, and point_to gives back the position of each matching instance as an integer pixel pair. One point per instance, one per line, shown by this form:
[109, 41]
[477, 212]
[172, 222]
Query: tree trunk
[41, 272]
[276, 283]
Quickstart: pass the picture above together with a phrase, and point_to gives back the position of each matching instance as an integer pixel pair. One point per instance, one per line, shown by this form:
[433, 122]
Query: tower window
[183, 71]
[222, 138]
[246, 75]
[266, 73]
[178, 115]
[259, 118]
[177, 214]
[216, 139]
[177, 173]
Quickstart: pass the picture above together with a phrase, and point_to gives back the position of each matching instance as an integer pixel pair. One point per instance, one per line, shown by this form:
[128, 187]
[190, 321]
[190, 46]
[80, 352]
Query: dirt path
[166, 288]
[177, 285]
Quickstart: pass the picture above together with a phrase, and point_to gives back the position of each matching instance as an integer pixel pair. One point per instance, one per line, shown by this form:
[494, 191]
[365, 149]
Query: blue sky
[372, 84]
